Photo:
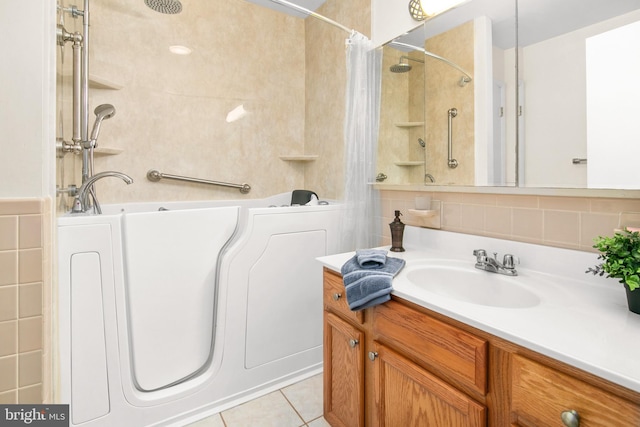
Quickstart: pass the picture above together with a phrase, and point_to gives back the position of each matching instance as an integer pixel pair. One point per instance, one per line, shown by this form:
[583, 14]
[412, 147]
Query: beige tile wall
[23, 257]
[568, 222]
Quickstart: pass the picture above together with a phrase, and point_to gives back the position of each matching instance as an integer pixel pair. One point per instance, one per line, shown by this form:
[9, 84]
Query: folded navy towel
[371, 258]
[366, 287]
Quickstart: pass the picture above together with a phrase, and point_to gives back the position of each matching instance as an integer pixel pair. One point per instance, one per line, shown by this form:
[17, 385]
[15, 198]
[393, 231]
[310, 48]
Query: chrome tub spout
[80, 202]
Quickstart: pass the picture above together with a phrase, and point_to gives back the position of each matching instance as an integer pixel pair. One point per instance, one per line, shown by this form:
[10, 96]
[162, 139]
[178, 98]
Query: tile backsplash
[567, 222]
[22, 261]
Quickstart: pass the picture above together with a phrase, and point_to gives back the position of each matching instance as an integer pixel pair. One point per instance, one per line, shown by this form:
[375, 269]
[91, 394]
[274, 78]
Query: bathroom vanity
[426, 359]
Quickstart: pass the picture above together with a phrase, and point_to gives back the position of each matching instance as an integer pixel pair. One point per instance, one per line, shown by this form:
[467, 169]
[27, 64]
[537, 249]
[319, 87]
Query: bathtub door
[171, 260]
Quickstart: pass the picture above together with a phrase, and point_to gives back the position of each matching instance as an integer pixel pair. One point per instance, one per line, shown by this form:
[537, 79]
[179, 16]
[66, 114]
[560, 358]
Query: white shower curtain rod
[315, 15]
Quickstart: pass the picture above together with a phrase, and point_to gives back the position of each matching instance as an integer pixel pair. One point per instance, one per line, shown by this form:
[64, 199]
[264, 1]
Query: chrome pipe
[155, 176]
[451, 162]
[77, 90]
[86, 173]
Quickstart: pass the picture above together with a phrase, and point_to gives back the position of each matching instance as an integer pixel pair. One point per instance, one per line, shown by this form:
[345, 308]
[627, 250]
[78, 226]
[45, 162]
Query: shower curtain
[361, 221]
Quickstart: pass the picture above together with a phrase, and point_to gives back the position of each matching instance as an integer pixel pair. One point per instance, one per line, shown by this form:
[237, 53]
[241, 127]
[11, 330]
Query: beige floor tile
[271, 410]
[319, 422]
[212, 421]
[306, 397]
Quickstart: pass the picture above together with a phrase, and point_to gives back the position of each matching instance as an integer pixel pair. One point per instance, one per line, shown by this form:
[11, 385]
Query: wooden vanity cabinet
[374, 376]
[399, 364]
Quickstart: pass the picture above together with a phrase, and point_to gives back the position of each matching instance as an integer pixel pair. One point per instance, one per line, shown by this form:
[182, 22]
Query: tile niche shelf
[106, 151]
[408, 124]
[299, 158]
[409, 163]
[98, 82]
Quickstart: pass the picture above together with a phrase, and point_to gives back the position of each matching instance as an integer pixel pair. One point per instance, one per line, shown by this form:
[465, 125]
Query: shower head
[403, 67]
[169, 7]
[102, 112]
[400, 68]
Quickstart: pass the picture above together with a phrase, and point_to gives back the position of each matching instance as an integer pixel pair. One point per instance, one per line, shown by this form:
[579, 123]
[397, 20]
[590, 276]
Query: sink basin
[457, 280]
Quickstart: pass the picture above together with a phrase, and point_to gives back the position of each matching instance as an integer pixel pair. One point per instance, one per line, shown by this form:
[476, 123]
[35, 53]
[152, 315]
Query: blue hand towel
[371, 258]
[366, 287]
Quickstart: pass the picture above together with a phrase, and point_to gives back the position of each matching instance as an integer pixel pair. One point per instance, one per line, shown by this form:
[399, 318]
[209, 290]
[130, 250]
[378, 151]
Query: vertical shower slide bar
[452, 163]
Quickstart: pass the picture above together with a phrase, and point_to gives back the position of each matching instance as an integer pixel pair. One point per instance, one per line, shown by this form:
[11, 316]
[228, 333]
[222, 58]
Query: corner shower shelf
[408, 124]
[410, 163]
[301, 158]
[106, 151]
[101, 83]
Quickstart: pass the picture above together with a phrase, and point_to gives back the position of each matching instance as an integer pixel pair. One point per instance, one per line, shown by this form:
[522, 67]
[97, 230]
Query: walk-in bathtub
[170, 312]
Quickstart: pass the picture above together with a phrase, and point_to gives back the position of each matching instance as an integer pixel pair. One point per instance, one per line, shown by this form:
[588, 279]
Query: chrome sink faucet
[487, 263]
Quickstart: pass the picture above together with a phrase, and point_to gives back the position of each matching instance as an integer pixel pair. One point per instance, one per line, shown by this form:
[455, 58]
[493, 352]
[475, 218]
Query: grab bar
[452, 163]
[155, 176]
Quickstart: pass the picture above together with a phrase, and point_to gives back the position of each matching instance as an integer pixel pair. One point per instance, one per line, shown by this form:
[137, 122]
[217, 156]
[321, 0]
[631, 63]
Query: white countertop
[581, 319]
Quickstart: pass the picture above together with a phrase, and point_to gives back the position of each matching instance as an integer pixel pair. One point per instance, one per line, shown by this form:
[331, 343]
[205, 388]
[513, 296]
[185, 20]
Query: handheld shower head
[102, 112]
[169, 7]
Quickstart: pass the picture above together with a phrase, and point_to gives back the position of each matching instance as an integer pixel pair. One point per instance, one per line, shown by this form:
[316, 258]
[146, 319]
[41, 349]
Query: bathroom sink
[462, 282]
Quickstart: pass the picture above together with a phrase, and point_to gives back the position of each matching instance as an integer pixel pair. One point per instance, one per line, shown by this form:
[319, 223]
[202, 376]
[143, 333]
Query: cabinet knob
[353, 343]
[373, 355]
[570, 418]
[337, 296]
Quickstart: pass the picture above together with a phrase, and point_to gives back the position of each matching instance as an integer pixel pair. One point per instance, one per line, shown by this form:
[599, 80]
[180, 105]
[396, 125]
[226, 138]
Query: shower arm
[467, 77]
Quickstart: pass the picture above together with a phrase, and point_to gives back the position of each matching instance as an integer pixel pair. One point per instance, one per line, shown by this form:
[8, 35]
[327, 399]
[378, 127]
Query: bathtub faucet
[80, 202]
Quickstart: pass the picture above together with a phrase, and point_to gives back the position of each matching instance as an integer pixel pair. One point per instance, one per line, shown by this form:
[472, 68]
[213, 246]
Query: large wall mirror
[574, 124]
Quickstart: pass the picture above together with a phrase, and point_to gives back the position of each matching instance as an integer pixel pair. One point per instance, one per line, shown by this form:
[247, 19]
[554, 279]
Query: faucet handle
[480, 254]
[510, 261]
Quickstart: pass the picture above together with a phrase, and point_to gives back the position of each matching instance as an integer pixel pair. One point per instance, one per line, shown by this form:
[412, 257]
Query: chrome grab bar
[155, 176]
[452, 163]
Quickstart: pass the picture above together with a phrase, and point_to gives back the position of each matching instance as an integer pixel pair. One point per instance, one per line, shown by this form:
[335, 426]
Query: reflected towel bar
[155, 176]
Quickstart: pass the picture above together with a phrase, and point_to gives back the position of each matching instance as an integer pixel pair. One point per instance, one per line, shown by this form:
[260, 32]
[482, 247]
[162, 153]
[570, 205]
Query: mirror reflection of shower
[403, 67]
[427, 176]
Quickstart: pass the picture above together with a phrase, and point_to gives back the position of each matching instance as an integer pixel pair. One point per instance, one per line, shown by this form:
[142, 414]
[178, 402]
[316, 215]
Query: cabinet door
[407, 395]
[343, 373]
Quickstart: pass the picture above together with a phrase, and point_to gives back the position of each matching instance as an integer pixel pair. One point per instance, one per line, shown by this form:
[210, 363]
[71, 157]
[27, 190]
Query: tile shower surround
[23, 256]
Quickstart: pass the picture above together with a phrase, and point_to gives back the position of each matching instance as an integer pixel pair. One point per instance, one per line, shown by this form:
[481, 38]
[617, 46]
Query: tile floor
[298, 405]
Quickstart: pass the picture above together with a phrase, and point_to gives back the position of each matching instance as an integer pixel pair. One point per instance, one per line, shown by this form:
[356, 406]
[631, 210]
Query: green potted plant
[620, 255]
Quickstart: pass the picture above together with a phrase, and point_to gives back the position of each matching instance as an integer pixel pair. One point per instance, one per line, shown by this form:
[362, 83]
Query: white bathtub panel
[284, 304]
[170, 260]
[90, 399]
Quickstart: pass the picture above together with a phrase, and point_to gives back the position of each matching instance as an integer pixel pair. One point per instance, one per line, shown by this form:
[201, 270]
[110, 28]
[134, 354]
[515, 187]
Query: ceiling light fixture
[423, 9]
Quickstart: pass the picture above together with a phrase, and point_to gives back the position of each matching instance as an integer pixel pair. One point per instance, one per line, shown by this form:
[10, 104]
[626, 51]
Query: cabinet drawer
[540, 394]
[457, 354]
[335, 297]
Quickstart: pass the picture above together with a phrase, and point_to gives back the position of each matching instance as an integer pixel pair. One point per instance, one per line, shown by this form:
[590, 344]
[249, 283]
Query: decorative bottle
[397, 231]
